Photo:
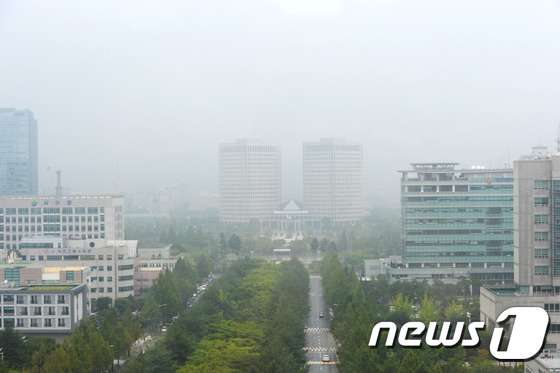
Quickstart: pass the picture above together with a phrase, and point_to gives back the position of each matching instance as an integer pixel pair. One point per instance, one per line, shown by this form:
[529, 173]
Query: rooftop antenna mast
[558, 139]
[58, 188]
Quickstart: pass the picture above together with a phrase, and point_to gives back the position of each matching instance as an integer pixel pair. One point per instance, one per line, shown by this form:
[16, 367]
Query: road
[318, 339]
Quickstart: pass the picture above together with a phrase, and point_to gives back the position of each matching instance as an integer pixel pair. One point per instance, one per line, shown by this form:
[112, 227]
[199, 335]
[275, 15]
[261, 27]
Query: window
[101, 268]
[61, 323]
[101, 279]
[109, 268]
[34, 299]
[541, 236]
[552, 307]
[48, 323]
[541, 201]
[65, 311]
[541, 270]
[35, 323]
[109, 278]
[541, 253]
[541, 219]
[109, 290]
[541, 184]
[109, 257]
[61, 299]
[20, 299]
[20, 323]
[80, 210]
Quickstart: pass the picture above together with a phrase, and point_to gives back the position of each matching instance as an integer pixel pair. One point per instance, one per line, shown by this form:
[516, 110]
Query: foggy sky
[130, 95]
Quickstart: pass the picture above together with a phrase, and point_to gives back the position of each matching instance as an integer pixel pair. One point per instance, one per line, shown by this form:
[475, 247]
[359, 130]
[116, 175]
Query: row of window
[56, 227]
[35, 323]
[35, 311]
[15, 237]
[35, 299]
[52, 210]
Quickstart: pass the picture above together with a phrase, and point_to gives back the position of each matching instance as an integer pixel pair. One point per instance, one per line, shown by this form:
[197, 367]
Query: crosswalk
[320, 349]
[317, 330]
[322, 362]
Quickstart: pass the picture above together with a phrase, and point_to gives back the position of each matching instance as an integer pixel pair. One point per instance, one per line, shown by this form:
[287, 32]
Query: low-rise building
[152, 262]
[49, 310]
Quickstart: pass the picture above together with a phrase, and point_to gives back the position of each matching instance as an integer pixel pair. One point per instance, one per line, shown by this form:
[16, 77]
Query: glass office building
[18, 153]
[456, 223]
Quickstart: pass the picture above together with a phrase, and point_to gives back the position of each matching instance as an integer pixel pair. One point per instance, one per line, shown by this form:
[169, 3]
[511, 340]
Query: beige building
[249, 180]
[106, 266]
[536, 252]
[333, 180]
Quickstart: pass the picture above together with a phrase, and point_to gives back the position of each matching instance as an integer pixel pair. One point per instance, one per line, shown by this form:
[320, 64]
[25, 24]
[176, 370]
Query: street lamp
[113, 358]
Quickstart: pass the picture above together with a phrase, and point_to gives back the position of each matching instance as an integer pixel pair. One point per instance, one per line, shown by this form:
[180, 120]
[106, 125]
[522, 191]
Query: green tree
[151, 313]
[234, 243]
[314, 245]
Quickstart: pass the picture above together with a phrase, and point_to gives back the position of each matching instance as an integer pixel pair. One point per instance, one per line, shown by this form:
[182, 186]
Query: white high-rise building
[333, 179]
[72, 216]
[249, 180]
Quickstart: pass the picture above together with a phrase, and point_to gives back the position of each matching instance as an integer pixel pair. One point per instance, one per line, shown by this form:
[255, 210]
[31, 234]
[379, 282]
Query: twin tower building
[250, 184]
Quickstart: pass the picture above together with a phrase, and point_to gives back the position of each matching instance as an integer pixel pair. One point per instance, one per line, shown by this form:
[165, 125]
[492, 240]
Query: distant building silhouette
[249, 180]
[18, 153]
[333, 180]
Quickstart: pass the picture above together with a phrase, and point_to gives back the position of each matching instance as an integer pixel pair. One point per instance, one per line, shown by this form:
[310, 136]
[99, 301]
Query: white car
[326, 358]
[164, 329]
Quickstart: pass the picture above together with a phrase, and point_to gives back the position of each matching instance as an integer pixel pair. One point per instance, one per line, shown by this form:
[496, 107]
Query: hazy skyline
[130, 95]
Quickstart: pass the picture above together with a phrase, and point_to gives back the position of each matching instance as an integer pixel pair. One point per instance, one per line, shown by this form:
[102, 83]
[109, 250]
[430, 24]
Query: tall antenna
[58, 188]
[558, 139]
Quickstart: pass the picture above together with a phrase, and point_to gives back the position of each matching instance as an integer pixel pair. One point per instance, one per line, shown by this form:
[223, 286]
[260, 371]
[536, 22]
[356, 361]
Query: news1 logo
[525, 341]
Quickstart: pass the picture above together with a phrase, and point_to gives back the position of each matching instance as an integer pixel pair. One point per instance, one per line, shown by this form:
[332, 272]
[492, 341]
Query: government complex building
[536, 266]
[250, 181]
[456, 223]
[18, 153]
[333, 180]
[250, 185]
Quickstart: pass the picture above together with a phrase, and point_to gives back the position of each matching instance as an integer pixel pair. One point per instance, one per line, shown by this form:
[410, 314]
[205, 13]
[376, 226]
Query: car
[326, 358]
[321, 314]
[164, 329]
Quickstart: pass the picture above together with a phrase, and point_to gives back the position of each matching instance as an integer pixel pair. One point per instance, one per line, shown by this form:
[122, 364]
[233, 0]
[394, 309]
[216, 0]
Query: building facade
[108, 265]
[333, 180]
[536, 253]
[49, 310]
[18, 153]
[250, 181]
[74, 216]
[456, 223]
